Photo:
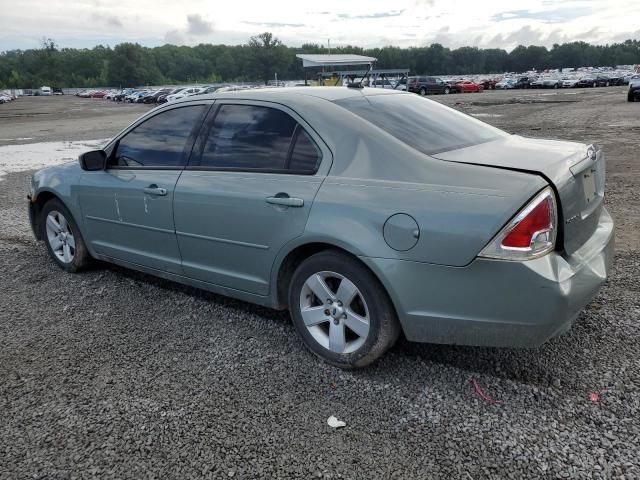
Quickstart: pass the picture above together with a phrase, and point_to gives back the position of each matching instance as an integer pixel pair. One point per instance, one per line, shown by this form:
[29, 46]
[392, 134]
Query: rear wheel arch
[295, 257]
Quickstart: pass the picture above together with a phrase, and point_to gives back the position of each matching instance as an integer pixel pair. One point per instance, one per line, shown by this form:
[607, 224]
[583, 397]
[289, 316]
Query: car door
[128, 207]
[246, 192]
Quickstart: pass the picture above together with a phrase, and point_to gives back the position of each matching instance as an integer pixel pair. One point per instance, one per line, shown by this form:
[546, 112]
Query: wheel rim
[423, 92]
[60, 237]
[334, 312]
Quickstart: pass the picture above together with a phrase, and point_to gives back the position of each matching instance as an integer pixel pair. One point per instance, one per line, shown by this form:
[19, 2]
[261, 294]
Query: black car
[154, 97]
[594, 81]
[428, 85]
[634, 89]
[522, 82]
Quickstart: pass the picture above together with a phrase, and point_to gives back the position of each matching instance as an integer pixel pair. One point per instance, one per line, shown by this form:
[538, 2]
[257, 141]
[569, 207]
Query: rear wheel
[63, 238]
[423, 92]
[341, 311]
[447, 90]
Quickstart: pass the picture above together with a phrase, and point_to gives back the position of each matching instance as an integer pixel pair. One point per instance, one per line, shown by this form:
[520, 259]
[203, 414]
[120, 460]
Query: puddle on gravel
[31, 156]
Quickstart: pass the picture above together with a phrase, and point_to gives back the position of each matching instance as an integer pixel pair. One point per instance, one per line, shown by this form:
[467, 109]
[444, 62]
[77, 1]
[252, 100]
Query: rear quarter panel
[455, 223]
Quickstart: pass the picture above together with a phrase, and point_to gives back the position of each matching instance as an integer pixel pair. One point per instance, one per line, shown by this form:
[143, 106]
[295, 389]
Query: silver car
[364, 212]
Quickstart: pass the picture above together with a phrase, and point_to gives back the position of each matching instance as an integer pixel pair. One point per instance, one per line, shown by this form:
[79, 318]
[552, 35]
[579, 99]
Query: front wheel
[423, 92]
[447, 90]
[630, 98]
[341, 311]
[63, 238]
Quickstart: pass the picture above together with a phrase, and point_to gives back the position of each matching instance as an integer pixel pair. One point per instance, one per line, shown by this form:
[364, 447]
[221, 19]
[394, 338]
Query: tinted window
[159, 141]
[305, 156]
[422, 124]
[249, 137]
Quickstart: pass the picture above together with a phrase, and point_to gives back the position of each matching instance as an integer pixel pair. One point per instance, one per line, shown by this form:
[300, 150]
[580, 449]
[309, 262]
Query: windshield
[422, 124]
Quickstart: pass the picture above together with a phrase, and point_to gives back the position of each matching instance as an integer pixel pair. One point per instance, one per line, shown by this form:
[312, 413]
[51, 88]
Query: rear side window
[248, 137]
[425, 125]
[305, 155]
[159, 141]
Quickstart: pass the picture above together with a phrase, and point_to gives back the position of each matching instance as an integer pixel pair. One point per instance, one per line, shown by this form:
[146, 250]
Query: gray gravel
[115, 374]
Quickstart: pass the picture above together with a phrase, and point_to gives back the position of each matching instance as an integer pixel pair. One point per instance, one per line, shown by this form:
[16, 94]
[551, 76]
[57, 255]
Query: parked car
[152, 97]
[570, 82]
[535, 82]
[428, 85]
[471, 236]
[550, 82]
[467, 86]
[633, 95]
[184, 93]
[488, 84]
[594, 81]
[523, 82]
[163, 98]
[57, 91]
[506, 84]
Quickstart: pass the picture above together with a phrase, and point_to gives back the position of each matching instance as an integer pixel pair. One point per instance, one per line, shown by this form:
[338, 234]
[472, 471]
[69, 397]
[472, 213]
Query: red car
[469, 87]
[98, 94]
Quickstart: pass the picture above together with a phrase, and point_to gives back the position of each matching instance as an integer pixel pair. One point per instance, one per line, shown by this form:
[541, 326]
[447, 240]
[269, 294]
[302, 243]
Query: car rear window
[423, 124]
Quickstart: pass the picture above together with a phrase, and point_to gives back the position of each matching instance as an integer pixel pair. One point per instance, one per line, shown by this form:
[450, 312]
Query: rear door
[128, 208]
[247, 191]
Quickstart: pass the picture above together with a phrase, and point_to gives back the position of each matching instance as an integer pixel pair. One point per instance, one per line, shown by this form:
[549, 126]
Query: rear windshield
[423, 124]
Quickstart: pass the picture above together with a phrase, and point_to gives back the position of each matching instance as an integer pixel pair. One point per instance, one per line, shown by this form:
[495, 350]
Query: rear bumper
[497, 303]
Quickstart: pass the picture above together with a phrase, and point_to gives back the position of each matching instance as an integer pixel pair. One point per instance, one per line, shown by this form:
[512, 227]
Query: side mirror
[93, 160]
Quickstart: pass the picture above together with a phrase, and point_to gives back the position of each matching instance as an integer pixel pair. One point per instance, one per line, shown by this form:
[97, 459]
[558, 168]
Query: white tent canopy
[321, 60]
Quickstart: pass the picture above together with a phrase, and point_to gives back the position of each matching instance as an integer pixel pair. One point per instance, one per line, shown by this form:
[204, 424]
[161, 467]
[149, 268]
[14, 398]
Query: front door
[128, 208]
[246, 193]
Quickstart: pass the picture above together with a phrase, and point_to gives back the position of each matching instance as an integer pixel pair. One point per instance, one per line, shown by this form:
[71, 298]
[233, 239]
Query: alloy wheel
[335, 312]
[60, 237]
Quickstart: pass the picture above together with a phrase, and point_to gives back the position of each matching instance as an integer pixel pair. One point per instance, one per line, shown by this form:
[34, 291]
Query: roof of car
[325, 93]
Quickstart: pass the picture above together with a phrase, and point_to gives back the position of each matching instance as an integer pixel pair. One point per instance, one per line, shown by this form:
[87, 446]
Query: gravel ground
[115, 374]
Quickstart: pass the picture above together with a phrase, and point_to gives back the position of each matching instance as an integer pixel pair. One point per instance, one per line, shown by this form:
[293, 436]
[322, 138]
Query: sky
[372, 23]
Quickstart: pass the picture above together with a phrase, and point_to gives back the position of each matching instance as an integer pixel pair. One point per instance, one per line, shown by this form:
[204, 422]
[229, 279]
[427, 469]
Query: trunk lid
[577, 171]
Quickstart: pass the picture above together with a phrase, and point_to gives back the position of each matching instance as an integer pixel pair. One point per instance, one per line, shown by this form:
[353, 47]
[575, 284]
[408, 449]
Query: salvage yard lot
[115, 374]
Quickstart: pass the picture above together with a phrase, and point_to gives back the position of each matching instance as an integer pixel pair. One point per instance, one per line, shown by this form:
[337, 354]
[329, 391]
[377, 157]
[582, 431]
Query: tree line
[130, 64]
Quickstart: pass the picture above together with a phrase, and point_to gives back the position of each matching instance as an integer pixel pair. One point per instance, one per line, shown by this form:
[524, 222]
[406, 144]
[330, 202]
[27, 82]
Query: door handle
[155, 190]
[286, 200]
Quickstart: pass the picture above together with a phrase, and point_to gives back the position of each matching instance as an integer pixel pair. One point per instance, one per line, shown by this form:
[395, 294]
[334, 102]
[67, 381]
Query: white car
[45, 91]
[570, 82]
[185, 93]
[506, 84]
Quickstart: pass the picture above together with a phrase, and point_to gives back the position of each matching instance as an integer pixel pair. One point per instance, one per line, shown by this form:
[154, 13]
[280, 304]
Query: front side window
[247, 137]
[159, 141]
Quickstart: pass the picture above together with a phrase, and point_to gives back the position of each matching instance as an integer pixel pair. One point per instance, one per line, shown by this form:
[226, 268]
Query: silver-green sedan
[365, 212]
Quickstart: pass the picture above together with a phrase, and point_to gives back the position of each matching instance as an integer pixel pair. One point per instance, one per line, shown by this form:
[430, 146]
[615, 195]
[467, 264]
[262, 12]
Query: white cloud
[499, 23]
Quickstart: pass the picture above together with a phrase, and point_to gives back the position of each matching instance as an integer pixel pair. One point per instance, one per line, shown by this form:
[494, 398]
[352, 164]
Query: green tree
[268, 56]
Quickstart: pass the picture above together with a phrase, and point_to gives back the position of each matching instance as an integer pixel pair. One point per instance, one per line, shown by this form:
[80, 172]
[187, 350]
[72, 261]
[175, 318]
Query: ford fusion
[366, 213]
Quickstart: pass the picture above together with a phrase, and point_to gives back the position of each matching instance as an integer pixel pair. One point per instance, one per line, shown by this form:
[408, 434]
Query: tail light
[530, 234]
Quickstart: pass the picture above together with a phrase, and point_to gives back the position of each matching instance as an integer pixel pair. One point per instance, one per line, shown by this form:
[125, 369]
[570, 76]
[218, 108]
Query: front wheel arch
[40, 201]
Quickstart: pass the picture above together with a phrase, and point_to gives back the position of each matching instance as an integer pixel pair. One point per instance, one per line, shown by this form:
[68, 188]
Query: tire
[72, 254]
[447, 90]
[630, 97]
[594, 85]
[423, 92]
[607, 84]
[327, 330]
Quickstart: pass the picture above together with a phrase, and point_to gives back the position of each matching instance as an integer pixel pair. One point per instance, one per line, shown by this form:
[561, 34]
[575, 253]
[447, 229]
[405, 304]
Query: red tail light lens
[537, 221]
[531, 233]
